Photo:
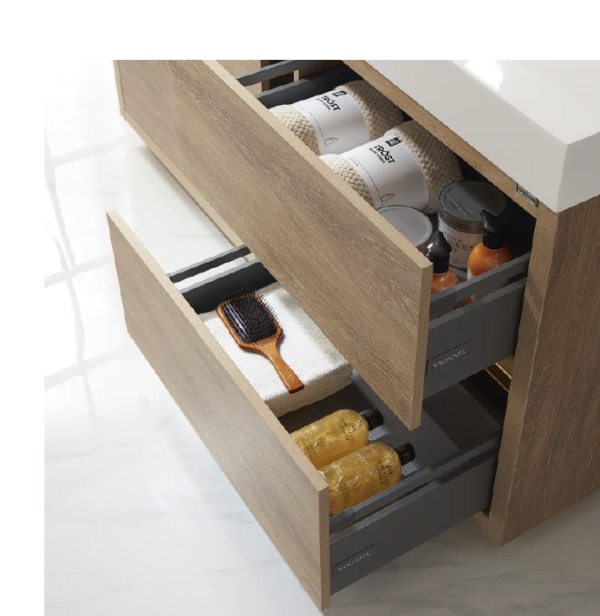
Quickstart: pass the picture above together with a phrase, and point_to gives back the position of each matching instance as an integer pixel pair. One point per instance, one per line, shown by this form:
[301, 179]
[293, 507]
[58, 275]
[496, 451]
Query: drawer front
[284, 491]
[359, 280]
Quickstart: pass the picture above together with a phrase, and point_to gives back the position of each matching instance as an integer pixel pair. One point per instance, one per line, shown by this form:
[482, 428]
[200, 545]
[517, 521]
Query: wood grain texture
[239, 67]
[147, 98]
[363, 283]
[550, 453]
[119, 86]
[284, 491]
[442, 132]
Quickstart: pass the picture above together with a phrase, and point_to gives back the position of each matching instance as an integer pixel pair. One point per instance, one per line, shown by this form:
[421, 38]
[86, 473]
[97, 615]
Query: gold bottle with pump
[336, 435]
[364, 473]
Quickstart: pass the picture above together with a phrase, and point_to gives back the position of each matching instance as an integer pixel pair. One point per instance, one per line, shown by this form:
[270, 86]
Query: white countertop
[538, 121]
[140, 520]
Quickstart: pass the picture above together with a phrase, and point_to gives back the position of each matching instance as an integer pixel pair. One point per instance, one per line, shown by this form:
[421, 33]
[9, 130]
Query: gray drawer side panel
[368, 545]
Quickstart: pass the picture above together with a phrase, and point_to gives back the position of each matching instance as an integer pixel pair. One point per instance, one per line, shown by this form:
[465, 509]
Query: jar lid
[461, 204]
[413, 225]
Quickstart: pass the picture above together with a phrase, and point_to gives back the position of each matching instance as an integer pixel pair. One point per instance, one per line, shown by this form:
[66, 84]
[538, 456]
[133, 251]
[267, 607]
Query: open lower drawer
[456, 443]
[366, 287]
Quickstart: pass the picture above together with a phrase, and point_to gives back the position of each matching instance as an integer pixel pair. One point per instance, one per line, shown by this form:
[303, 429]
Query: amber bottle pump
[336, 435]
[491, 251]
[438, 252]
[364, 473]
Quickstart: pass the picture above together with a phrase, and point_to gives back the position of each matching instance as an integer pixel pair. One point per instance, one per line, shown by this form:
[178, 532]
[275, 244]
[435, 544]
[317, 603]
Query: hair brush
[254, 327]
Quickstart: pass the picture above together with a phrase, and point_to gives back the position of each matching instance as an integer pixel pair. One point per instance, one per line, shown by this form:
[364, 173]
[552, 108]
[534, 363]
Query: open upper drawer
[365, 285]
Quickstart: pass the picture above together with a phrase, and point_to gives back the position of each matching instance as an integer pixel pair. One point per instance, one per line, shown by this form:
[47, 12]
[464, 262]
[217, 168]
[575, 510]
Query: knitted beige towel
[320, 366]
[380, 114]
[438, 163]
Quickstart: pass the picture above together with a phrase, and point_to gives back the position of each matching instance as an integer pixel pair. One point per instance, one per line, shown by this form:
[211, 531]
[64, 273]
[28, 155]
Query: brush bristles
[250, 317]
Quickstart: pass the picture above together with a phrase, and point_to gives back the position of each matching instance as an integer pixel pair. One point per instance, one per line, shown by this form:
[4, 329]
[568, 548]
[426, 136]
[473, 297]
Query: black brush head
[250, 317]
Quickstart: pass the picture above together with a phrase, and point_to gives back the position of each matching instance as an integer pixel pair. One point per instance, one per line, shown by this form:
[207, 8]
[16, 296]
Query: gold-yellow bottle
[364, 473]
[336, 435]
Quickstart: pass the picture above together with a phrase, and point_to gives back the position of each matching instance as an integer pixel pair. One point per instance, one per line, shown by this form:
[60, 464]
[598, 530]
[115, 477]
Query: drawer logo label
[352, 561]
[462, 350]
[526, 195]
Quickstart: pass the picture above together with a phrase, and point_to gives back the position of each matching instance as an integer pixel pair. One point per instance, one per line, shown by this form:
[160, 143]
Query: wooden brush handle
[286, 374]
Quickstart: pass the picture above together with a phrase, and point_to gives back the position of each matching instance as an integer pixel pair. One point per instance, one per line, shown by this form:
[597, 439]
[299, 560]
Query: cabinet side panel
[550, 453]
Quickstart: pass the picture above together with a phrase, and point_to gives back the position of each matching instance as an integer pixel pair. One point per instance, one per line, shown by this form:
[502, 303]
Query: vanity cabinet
[368, 289]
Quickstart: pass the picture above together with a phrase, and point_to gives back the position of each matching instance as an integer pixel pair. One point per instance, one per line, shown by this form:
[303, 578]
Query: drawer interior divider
[304, 87]
[277, 69]
[208, 264]
[496, 277]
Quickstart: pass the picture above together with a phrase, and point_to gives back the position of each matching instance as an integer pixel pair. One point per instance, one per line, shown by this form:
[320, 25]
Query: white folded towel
[318, 364]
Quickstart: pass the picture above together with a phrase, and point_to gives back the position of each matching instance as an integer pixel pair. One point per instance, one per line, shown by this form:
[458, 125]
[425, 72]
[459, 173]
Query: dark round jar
[459, 215]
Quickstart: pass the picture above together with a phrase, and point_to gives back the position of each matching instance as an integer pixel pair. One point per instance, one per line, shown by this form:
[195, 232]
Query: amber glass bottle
[364, 473]
[491, 251]
[438, 252]
[336, 435]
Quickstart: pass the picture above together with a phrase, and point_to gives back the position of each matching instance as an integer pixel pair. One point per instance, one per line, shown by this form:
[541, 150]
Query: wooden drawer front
[359, 280]
[283, 490]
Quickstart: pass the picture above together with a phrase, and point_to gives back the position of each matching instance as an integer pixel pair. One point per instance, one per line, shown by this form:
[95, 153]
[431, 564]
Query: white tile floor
[139, 518]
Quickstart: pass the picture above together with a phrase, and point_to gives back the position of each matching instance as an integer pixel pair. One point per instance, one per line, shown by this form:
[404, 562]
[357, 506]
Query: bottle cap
[373, 418]
[438, 252]
[494, 228]
[406, 453]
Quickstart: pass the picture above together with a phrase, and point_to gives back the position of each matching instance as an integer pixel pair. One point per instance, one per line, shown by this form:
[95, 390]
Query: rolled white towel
[431, 164]
[378, 113]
